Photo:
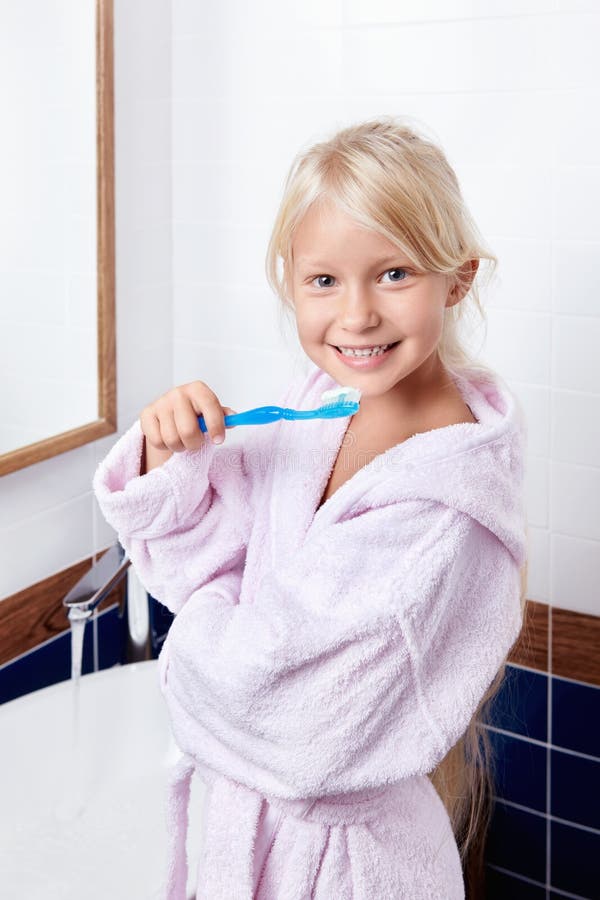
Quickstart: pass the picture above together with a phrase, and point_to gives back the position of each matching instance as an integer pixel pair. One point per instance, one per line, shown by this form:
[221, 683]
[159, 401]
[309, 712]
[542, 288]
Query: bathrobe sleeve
[358, 664]
[196, 507]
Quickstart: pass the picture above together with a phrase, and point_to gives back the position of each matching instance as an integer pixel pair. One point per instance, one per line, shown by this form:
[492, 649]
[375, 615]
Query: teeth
[376, 351]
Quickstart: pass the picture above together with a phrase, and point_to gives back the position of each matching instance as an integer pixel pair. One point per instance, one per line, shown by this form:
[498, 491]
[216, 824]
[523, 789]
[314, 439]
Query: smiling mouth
[365, 352]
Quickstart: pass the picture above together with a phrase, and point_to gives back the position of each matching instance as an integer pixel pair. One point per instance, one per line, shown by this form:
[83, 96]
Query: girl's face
[352, 287]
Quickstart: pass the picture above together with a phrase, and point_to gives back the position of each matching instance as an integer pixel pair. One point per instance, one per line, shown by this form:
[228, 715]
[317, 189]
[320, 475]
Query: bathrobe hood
[324, 660]
[476, 468]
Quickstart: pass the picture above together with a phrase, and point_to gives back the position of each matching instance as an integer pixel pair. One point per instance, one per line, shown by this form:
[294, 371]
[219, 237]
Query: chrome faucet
[95, 585]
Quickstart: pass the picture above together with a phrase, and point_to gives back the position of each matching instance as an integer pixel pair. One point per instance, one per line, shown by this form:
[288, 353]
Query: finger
[187, 424]
[169, 432]
[206, 403]
[151, 428]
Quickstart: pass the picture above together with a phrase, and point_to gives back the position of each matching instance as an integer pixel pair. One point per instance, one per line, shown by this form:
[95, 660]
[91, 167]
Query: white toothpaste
[341, 394]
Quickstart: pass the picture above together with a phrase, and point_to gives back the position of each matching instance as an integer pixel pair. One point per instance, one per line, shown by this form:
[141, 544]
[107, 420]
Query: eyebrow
[319, 263]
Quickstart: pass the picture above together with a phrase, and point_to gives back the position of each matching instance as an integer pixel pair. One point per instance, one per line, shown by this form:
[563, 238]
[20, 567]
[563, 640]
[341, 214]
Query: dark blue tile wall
[520, 770]
[576, 716]
[517, 841]
[519, 735]
[575, 860]
[580, 806]
[521, 704]
[160, 622]
[501, 886]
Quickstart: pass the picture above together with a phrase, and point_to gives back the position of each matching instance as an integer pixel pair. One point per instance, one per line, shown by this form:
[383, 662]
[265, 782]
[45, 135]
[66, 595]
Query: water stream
[77, 618]
[73, 796]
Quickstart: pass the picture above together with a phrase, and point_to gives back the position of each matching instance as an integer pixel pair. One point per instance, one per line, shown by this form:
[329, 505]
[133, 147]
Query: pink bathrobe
[323, 661]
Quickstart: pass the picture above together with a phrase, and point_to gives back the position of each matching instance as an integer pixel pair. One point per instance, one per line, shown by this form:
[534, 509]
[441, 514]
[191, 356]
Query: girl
[347, 590]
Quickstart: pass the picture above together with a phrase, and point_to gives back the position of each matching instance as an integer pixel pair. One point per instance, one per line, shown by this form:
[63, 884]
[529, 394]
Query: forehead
[326, 231]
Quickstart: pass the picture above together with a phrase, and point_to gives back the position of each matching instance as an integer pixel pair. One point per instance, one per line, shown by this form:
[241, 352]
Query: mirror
[57, 262]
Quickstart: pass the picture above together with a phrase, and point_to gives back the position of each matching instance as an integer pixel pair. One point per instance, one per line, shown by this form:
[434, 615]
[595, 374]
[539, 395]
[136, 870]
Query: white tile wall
[576, 277]
[539, 576]
[575, 427]
[359, 13]
[575, 357]
[523, 279]
[213, 102]
[575, 500]
[574, 573]
[38, 545]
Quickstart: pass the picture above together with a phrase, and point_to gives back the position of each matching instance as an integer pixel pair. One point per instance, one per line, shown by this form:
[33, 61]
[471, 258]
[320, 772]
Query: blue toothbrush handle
[262, 415]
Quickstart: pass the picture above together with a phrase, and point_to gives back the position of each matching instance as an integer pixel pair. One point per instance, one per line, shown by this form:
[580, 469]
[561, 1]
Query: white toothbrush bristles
[340, 395]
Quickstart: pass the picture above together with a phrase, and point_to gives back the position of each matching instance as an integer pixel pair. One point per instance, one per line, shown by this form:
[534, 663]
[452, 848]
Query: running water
[72, 802]
[77, 618]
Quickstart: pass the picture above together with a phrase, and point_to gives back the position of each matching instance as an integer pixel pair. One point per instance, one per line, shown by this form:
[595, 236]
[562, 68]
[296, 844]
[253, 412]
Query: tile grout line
[550, 507]
[543, 815]
[549, 746]
[527, 880]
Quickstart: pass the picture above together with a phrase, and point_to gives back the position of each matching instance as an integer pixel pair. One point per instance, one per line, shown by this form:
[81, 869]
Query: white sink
[87, 822]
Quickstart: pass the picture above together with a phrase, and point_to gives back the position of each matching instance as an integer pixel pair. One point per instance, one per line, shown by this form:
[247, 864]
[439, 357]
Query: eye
[402, 273]
[396, 276]
[318, 277]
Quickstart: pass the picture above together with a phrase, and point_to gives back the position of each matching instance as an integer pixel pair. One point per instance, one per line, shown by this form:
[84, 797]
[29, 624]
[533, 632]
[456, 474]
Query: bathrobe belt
[231, 824]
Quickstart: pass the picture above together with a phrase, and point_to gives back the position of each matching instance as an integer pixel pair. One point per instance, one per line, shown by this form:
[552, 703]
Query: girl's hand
[170, 424]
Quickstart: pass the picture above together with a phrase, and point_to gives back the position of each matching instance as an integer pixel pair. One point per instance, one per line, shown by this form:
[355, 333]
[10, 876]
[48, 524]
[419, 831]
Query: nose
[358, 311]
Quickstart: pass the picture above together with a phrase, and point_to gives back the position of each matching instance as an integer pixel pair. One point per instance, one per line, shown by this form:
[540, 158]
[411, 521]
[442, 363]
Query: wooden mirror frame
[105, 181]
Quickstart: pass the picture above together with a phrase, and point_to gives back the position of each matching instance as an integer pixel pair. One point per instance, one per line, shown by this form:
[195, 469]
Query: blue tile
[560, 895]
[500, 886]
[160, 621]
[112, 638]
[517, 841]
[576, 716]
[575, 864]
[575, 793]
[553, 895]
[519, 770]
[521, 704]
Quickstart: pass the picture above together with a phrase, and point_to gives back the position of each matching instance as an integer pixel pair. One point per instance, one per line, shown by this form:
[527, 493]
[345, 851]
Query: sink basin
[83, 811]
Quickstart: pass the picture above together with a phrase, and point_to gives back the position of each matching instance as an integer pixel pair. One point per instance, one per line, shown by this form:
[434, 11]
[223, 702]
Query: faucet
[96, 584]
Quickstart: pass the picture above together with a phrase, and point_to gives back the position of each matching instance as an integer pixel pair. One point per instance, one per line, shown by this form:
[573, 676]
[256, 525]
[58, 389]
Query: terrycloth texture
[322, 663]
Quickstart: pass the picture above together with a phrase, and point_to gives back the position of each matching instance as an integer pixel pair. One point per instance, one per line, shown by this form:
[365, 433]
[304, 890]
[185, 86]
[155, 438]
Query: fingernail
[218, 439]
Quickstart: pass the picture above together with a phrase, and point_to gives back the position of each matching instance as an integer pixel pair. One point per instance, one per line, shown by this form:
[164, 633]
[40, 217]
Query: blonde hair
[390, 178]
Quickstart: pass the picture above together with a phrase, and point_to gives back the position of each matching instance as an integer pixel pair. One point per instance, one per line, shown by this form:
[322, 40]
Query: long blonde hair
[390, 178]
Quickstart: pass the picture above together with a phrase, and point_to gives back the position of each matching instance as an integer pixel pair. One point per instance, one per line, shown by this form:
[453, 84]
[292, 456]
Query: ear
[463, 280]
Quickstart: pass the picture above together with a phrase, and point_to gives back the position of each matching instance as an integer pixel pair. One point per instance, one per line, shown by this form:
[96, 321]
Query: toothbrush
[337, 402]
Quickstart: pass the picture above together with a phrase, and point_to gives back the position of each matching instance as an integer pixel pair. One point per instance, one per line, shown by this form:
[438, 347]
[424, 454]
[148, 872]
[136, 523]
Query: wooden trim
[531, 649]
[35, 614]
[107, 368]
[575, 645]
[106, 423]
